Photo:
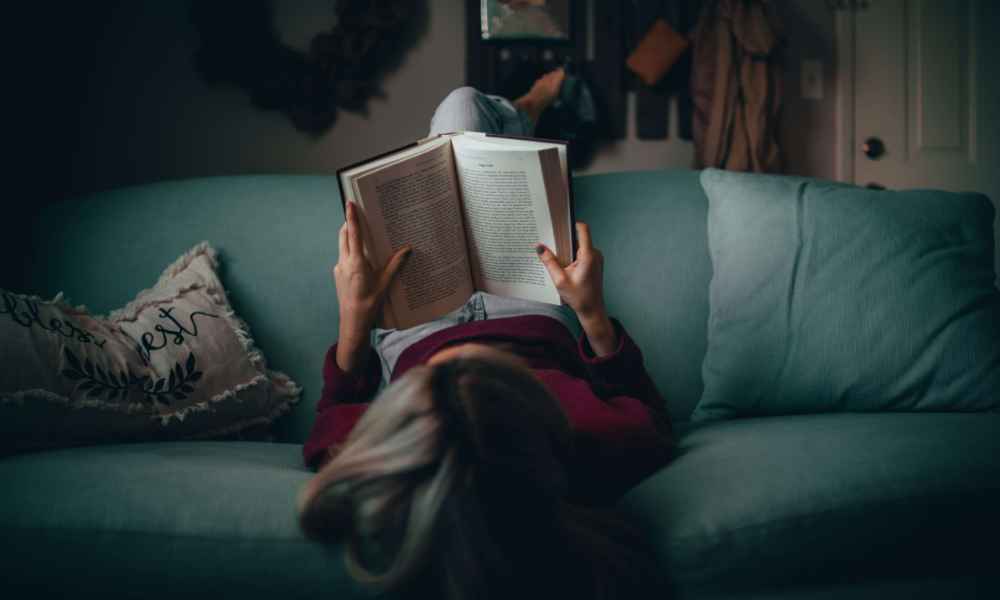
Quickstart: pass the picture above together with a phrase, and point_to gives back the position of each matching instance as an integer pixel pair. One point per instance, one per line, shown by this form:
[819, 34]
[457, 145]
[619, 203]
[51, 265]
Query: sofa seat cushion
[834, 497]
[162, 520]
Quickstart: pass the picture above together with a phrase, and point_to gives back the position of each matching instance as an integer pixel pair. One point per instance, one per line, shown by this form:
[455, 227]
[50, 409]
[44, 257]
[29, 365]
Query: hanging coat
[736, 83]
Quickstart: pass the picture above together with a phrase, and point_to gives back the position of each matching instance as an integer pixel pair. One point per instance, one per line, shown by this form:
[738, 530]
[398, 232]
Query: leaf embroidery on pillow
[94, 382]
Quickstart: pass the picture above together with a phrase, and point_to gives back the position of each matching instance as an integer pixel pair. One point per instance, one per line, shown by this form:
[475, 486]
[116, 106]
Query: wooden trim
[844, 42]
[474, 59]
[607, 69]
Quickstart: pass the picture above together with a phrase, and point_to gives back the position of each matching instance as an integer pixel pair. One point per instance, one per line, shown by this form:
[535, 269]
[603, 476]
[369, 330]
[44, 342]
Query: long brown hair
[456, 476]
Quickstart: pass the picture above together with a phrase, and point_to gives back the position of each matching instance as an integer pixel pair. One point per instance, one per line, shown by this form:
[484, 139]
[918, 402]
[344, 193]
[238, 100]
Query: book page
[415, 202]
[557, 184]
[506, 213]
[525, 143]
[388, 159]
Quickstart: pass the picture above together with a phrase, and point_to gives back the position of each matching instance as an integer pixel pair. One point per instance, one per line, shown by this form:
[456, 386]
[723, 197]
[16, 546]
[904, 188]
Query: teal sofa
[888, 505]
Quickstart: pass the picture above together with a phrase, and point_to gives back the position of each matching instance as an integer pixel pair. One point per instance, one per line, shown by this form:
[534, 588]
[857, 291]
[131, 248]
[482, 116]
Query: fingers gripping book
[473, 206]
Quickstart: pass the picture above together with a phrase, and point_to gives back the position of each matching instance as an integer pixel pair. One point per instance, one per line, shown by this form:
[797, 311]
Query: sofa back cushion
[829, 297]
[650, 226]
[277, 240]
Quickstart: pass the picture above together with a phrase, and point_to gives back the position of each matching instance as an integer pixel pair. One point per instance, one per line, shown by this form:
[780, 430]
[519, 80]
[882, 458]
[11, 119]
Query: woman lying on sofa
[484, 469]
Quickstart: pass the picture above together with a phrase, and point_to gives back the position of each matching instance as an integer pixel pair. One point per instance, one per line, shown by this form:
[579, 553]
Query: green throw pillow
[828, 297]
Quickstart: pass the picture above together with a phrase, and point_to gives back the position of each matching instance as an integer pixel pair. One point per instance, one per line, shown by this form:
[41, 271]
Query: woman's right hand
[361, 290]
[581, 285]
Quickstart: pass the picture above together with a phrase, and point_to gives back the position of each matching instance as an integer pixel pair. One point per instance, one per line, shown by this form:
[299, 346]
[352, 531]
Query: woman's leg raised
[468, 109]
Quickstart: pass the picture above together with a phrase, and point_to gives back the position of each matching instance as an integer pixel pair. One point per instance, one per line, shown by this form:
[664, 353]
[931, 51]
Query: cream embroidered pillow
[176, 363]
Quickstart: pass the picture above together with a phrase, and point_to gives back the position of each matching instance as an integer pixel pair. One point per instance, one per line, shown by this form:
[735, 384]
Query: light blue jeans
[467, 109]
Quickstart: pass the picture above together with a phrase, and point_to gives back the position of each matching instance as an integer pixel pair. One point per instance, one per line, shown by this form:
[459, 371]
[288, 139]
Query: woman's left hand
[361, 289]
[581, 283]
[581, 286]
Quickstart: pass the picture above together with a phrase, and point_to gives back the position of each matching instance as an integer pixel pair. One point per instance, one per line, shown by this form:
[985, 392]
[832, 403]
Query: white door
[927, 95]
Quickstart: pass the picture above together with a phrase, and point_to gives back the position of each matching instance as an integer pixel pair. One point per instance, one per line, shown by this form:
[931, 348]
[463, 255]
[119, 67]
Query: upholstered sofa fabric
[830, 297]
[162, 521]
[830, 498]
[821, 506]
[804, 500]
[650, 226]
[277, 242]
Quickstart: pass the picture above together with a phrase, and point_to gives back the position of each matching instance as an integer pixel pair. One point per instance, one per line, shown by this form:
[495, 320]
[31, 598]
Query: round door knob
[873, 148]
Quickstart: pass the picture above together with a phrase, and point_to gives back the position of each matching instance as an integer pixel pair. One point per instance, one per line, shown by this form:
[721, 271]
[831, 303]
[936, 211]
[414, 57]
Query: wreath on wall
[342, 69]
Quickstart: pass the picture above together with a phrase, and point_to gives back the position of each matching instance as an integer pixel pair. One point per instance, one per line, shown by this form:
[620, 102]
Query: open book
[473, 206]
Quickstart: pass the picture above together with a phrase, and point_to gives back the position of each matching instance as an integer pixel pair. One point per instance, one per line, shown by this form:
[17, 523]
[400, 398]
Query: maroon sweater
[620, 425]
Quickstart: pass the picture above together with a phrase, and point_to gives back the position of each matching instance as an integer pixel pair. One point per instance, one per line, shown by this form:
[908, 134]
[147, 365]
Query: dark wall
[48, 58]
[103, 94]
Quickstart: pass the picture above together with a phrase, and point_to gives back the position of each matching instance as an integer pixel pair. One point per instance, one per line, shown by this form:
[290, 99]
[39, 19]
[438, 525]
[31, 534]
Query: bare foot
[542, 93]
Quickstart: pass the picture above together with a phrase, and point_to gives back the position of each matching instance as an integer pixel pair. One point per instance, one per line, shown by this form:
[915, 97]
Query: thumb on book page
[551, 264]
[392, 267]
